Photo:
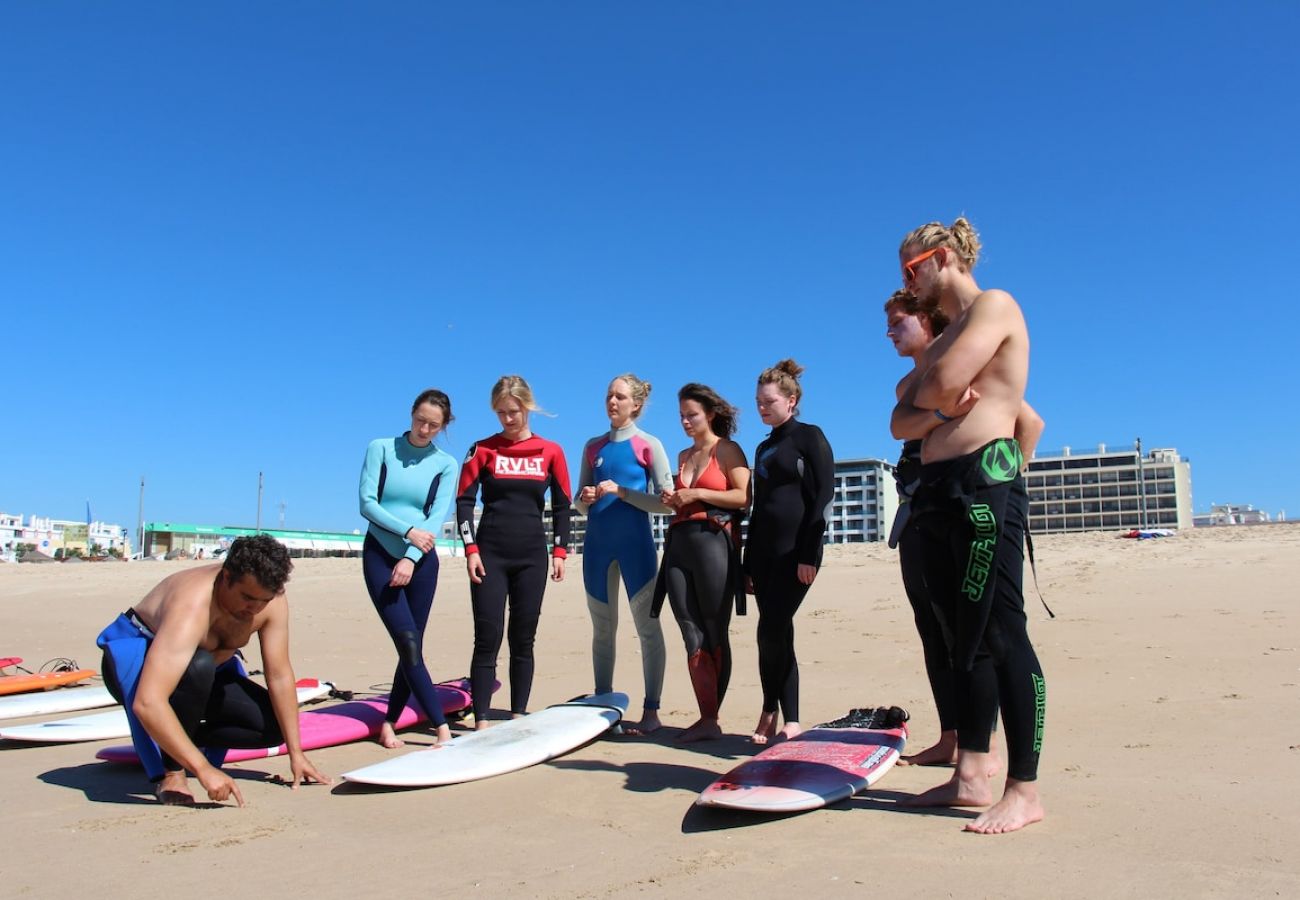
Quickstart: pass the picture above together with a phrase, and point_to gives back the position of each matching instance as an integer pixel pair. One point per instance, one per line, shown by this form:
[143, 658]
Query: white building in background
[1109, 489]
[862, 511]
[50, 535]
[1231, 514]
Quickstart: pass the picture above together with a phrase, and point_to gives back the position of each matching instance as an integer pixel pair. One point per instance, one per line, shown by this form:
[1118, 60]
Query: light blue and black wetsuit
[404, 487]
[619, 543]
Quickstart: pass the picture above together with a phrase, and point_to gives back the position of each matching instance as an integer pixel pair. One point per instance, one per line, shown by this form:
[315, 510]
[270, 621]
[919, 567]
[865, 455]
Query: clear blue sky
[240, 237]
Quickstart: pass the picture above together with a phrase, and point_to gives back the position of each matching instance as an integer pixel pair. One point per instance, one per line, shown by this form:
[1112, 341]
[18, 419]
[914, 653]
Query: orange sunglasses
[909, 267]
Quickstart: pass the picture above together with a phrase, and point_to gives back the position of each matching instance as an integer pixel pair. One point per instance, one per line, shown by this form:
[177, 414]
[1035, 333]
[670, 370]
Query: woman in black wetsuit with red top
[700, 571]
[506, 553]
[794, 484]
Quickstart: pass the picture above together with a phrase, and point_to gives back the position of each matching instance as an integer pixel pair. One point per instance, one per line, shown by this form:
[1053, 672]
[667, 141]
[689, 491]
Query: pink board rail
[330, 726]
[823, 765]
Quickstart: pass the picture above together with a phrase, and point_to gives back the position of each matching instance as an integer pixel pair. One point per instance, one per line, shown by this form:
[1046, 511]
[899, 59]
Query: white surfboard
[47, 703]
[112, 724]
[503, 748]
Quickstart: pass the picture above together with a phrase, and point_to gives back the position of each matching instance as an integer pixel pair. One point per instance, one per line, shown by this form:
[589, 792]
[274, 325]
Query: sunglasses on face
[909, 267]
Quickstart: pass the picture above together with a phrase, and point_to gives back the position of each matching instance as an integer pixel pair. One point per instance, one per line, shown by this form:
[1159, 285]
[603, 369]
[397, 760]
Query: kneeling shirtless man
[170, 660]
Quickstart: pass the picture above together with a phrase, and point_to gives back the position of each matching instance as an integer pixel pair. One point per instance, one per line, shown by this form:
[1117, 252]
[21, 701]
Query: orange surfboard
[44, 681]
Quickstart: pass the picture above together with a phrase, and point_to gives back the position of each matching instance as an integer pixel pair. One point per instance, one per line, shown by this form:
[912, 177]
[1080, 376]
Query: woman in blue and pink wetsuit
[622, 476]
[505, 552]
[700, 572]
[406, 489]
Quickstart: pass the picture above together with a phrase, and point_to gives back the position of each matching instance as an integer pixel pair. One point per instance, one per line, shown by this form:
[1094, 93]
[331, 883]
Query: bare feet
[791, 730]
[765, 730]
[648, 725]
[969, 785]
[481, 724]
[388, 738]
[1018, 807]
[703, 730]
[174, 790]
[442, 735]
[942, 753]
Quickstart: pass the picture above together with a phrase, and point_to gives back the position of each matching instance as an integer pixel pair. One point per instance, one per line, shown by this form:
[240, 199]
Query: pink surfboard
[7, 661]
[824, 765]
[355, 720]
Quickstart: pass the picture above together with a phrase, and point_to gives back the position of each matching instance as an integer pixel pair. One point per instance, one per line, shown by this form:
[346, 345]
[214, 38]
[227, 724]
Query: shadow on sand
[705, 819]
[106, 783]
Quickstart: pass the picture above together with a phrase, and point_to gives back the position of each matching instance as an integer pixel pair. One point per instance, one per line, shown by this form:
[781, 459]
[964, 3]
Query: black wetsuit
[217, 706]
[971, 514]
[794, 485]
[938, 667]
[515, 477]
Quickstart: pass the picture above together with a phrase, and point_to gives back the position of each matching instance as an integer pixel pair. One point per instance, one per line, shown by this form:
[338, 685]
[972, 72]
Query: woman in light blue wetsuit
[407, 485]
[623, 473]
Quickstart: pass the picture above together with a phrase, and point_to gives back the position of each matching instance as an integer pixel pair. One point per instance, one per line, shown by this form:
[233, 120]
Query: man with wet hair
[171, 661]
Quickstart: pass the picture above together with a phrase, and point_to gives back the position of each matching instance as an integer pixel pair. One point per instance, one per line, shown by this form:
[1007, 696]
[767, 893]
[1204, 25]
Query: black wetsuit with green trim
[934, 646]
[971, 513]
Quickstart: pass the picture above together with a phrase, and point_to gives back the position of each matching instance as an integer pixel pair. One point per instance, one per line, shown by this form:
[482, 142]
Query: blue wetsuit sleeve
[819, 492]
[369, 493]
[660, 479]
[584, 480]
[444, 493]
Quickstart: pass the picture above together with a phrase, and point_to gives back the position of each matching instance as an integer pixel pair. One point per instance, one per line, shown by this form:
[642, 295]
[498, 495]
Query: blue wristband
[942, 418]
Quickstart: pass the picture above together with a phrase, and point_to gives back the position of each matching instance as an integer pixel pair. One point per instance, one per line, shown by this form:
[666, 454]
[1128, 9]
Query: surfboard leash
[874, 717]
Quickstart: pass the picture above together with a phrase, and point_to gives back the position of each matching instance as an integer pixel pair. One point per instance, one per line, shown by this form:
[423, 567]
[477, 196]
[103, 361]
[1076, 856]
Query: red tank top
[711, 479]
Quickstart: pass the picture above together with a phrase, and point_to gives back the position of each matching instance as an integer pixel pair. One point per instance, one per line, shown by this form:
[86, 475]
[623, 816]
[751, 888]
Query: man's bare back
[190, 593]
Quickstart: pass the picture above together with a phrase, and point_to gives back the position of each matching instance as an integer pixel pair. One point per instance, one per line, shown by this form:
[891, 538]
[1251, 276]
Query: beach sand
[1171, 764]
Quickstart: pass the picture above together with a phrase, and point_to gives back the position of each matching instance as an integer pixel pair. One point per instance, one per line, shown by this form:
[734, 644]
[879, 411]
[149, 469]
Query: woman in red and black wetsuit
[506, 553]
[700, 569]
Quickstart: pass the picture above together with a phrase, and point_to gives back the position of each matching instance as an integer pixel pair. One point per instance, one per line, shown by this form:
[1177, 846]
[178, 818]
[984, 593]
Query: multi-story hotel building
[1109, 489]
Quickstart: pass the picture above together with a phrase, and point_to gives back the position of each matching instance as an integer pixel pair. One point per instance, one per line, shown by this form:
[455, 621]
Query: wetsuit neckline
[782, 427]
[427, 448]
[622, 434]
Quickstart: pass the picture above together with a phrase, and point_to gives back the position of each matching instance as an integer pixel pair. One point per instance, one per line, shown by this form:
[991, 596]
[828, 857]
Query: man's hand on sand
[305, 773]
[220, 786]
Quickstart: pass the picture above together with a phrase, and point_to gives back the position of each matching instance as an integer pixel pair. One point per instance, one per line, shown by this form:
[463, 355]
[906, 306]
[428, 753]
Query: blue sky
[241, 237]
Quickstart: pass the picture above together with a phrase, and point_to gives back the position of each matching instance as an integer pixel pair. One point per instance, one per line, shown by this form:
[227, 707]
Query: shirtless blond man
[970, 509]
[170, 660]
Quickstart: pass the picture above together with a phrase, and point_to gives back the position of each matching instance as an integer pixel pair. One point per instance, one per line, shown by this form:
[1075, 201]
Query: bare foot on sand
[703, 730]
[649, 724]
[388, 738]
[441, 735]
[969, 785]
[765, 730]
[1018, 807]
[174, 790]
[791, 730]
[942, 753]
[481, 724]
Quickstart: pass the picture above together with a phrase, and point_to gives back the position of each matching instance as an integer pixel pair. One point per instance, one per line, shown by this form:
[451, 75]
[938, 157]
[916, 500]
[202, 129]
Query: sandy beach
[1171, 764]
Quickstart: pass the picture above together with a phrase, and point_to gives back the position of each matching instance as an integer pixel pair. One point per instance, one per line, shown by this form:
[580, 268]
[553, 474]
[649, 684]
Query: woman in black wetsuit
[794, 483]
[505, 551]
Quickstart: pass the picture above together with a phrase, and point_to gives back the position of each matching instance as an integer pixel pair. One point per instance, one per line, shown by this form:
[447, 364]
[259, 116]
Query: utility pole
[259, 503]
[1142, 484]
[139, 548]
